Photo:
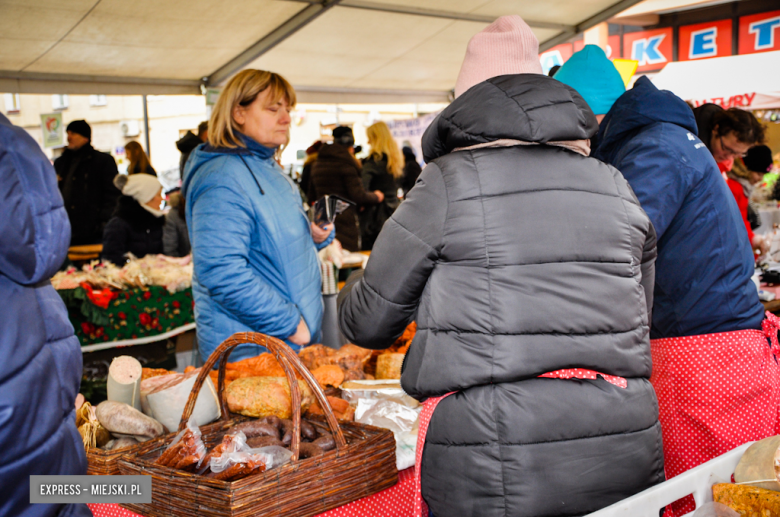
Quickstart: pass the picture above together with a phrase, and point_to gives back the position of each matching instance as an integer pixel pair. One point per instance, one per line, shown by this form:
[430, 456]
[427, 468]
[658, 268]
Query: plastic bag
[186, 451]
[231, 442]
[385, 405]
[715, 510]
[232, 466]
[167, 404]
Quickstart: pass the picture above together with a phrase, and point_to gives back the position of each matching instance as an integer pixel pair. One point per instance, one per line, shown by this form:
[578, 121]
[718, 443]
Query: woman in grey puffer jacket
[518, 255]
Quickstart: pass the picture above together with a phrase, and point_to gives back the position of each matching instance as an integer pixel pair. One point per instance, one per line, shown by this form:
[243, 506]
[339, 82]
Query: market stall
[146, 300]
[143, 305]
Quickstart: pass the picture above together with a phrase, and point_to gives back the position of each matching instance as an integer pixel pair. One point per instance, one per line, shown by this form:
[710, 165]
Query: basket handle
[289, 362]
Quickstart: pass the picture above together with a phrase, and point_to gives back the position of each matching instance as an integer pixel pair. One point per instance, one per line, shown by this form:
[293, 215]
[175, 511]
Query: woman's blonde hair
[242, 90]
[383, 143]
[139, 162]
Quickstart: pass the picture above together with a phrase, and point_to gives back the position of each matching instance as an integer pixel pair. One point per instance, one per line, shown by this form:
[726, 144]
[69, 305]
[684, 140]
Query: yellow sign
[626, 68]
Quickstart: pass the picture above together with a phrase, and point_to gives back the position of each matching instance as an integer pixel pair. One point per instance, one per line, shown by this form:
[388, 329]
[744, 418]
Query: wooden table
[773, 306]
[85, 252]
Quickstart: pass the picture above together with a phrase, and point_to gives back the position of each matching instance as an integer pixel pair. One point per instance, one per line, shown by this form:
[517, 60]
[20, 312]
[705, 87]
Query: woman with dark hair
[412, 169]
[139, 162]
[728, 134]
[311, 156]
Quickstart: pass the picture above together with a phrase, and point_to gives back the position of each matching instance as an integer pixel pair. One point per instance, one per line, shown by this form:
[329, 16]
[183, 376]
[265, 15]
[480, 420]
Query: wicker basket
[362, 464]
[105, 463]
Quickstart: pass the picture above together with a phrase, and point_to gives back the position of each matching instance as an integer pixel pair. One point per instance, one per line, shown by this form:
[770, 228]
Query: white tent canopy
[750, 81]
[331, 50]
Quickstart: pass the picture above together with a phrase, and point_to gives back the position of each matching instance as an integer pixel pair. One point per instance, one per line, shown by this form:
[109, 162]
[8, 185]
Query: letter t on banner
[764, 32]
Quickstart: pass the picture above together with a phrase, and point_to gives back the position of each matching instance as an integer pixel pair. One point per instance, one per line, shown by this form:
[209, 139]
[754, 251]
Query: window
[59, 102]
[97, 100]
[12, 104]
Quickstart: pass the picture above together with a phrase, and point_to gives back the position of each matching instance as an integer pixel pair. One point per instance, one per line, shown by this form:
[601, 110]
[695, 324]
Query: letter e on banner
[759, 33]
[703, 40]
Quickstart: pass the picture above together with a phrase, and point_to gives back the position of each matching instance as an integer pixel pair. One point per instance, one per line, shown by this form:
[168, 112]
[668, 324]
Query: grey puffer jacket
[517, 261]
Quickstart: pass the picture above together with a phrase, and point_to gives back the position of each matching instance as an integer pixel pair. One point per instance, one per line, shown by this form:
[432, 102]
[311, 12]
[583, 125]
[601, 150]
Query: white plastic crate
[697, 481]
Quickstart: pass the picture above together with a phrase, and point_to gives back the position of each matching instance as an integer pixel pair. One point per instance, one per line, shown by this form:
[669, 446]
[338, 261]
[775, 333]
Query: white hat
[141, 187]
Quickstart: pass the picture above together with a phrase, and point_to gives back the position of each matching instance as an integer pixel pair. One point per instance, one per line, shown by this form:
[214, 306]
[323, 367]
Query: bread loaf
[748, 500]
[388, 366]
[264, 396]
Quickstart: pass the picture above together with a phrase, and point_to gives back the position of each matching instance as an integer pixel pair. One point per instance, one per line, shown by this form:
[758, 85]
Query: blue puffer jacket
[256, 265]
[702, 275]
[40, 369]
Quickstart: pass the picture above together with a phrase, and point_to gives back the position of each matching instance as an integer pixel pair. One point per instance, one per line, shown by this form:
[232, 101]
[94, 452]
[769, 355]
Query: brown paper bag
[760, 464]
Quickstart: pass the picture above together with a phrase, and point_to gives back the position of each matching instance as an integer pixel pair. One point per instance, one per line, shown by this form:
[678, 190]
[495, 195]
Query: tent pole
[146, 128]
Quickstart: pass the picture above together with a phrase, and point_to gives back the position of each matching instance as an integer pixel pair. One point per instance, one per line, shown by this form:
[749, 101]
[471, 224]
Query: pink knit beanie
[506, 46]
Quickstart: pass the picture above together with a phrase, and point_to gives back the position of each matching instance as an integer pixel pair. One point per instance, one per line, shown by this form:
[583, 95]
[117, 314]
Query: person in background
[137, 224]
[337, 172]
[383, 171]
[513, 310]
[86, 180]
[41, 367]
[728, 134]
[190, 141]
[139, 162]
[176, 239]
[711, 363]
[311, 156]
[412, 169]
[743, 176]
[254, 250]
[553, 70]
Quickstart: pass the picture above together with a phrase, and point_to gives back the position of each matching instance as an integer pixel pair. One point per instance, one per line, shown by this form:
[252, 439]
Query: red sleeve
[742, 203]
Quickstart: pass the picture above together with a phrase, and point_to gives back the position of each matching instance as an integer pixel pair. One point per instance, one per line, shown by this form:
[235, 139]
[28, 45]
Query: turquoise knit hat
[594, 77]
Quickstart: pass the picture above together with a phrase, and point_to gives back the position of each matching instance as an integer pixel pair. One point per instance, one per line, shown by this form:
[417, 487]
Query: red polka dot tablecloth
[396, 501]
[715, 392]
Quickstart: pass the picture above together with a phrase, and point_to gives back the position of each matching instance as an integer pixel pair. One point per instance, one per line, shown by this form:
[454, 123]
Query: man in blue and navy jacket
[41, 358]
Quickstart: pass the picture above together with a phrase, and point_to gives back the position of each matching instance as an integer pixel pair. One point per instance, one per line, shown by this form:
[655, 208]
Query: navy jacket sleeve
[34, 228]
[221, 228]
[116, 241]
[379, 306]
[659, 183]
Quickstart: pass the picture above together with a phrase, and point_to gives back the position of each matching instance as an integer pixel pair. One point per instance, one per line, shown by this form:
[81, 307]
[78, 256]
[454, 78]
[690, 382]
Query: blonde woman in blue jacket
[253, 248]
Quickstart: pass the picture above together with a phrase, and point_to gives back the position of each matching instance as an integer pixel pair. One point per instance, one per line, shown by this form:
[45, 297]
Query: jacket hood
[206, 153]
[641, 106]
[528, 107]
[188, 142]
